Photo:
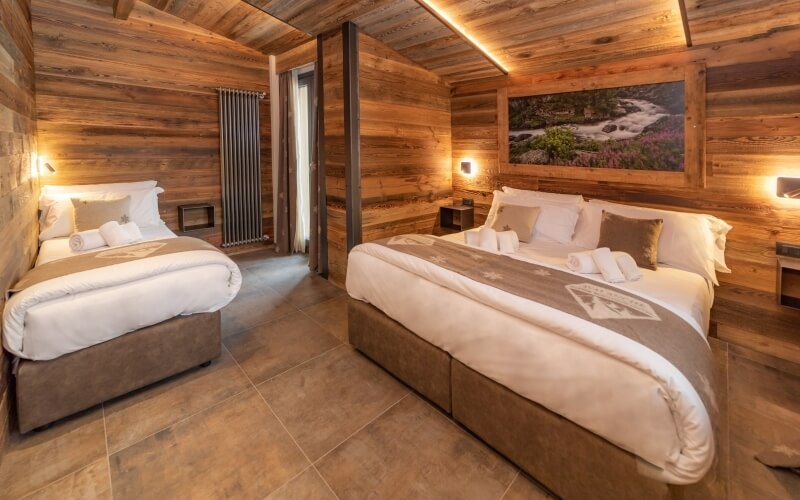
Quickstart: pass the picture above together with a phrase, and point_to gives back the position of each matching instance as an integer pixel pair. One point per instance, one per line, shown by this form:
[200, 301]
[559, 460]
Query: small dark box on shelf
[195, 216]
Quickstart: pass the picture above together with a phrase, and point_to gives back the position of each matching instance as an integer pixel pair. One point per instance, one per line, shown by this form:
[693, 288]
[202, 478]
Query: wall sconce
[45, 166]
[466, 167]
[788, 187]
[49, 168]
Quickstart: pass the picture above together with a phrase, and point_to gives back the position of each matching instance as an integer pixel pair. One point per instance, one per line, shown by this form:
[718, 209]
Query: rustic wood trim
[460, 34]
[694, 174]
[321, 170]
[352, 143]
[123, 8]
[695, 125]
[685, 20]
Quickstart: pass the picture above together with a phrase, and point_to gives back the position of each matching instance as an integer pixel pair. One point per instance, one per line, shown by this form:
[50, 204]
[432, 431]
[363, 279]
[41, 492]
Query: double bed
[88, 326]
[578, 406]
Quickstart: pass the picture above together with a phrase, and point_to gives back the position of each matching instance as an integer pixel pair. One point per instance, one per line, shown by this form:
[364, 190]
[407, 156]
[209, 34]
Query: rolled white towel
[627, 265]
[134, 234]
[582, 262]
[86, 240]
[116, 235]
[487, 239]
[507, 241]
[607, 265]
[472, 238]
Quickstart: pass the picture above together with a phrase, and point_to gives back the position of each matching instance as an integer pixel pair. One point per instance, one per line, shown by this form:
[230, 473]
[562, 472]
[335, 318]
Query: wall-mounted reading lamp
[788, 187]
[466, 167]
[49, 168]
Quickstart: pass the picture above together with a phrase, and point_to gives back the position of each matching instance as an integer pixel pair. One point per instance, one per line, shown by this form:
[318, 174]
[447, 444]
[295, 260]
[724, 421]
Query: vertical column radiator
[240, 153]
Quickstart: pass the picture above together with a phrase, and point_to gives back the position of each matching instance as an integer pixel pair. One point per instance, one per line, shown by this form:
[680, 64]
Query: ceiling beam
[685, 19]
[460, 32]
[123, 8]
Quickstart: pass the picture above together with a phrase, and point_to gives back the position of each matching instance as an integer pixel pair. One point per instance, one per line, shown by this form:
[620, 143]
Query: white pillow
[687, 241]
[57, 218]
[719, 230]
[118, 187]
[556, 221]
[542, 195]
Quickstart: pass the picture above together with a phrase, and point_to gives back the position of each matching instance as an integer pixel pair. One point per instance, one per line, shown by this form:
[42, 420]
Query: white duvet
[67, 314]
[601, 380]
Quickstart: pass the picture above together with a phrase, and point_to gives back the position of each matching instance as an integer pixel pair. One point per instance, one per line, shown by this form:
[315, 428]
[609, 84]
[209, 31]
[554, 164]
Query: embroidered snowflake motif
[438, 259]
[124, 219]
[786, 450]
[491, 275]
[706, 388]
[541, 272]
[506, 228]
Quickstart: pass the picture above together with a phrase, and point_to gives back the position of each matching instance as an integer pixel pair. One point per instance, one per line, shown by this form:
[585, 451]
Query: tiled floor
[290, 411]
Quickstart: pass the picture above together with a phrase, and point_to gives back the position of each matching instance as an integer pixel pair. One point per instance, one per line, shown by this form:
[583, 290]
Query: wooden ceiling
[525, 36]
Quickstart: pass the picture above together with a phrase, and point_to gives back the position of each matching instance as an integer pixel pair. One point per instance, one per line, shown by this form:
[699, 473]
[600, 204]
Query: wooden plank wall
[333, 118]
[297, 57]
[130, 100]
[752, 136]
[19, 189]
[405, 143]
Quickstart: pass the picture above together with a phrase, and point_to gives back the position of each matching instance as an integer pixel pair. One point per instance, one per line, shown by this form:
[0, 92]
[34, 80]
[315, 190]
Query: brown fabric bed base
[50, 390]
[566, 458]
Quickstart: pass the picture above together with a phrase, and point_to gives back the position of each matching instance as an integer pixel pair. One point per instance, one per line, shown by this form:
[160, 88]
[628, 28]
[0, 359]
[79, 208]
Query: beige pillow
[638, 237]
[516, 218]
[91, 214]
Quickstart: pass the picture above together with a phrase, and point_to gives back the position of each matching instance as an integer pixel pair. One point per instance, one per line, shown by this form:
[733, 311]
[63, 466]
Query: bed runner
[110, 257]
[627, 314]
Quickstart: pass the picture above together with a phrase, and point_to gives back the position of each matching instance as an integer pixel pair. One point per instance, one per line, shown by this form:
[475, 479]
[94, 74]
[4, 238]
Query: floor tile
[306, 486]
[273, 348]
[36, 459]
[237, 449]
[303, 290]
[331, 315]
[524, 489]
[411, 451]
[324, 401]
[90, 482]
[252, 309]
[140, 414]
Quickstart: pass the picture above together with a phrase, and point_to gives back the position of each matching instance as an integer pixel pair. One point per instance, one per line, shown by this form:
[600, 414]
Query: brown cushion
[91, 214]
[638, 237]
[516, 218]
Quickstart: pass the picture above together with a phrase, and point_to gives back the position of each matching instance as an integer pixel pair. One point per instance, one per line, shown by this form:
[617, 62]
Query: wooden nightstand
[195, 216]
[788, 281]
[456, 217]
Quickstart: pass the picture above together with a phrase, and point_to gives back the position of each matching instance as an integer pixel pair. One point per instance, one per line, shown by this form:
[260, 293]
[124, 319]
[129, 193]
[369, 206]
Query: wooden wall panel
[333, 116]
[19, 187]
[130, 100]
[296, 57]
[405, 142]
[753, 136]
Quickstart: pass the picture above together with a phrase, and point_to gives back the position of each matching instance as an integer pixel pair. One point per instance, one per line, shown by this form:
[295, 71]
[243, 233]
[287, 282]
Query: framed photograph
[639, 127]
[645, 128]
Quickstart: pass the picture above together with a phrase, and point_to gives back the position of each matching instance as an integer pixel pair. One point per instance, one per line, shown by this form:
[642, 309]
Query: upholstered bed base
[569, 460]
[49, 390]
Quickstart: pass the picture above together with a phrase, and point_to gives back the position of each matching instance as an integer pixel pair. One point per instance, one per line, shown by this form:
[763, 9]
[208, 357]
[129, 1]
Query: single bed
[89, 326]
[443, 331]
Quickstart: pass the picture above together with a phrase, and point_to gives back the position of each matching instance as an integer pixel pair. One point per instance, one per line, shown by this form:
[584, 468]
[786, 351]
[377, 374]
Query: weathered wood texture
[718, 21]
[542, 35]
[237, 20]
[752, 136]
[405, 143]
[130, 100]
[317, 16]
[418, 35]
[296, 57]
[19, 187]
[333, 116]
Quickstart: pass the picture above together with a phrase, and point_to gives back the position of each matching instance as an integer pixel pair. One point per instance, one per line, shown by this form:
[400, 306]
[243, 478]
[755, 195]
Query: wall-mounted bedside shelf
[458, 217]
[195, 216]
[789, 281]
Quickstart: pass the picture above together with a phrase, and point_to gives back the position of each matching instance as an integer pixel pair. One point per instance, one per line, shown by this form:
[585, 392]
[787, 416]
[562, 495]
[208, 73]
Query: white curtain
[302, 213]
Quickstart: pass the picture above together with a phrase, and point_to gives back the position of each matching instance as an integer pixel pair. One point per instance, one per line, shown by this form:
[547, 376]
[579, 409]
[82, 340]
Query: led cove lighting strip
[457, 27]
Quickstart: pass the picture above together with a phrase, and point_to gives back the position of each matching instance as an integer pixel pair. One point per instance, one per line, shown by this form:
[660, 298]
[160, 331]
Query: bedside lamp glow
[788, 187]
